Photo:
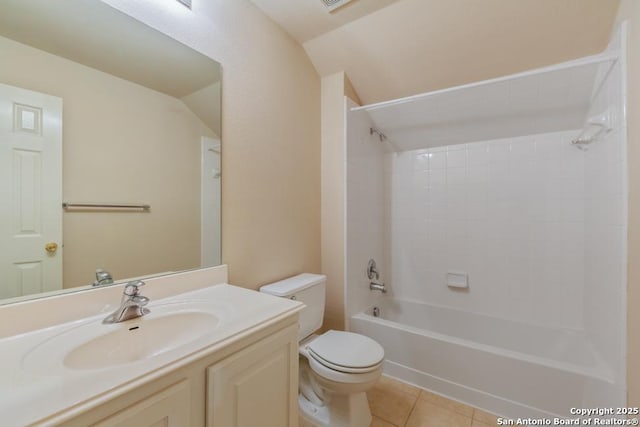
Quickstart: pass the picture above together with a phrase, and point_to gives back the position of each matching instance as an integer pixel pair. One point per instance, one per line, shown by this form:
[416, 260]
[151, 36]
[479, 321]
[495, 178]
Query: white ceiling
[392, 49]
[307, 19]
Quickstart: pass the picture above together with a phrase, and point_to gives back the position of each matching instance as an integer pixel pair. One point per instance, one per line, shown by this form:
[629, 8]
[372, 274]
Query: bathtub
[509, 368]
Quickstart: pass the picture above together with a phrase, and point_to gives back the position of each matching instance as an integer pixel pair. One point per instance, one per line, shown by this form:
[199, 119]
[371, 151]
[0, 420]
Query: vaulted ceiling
[83, 31]
[396, 48]
[308, 19]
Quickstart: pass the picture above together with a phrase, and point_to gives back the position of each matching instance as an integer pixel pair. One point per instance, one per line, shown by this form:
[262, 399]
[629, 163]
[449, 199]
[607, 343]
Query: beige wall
[630, 11]
[270, 134]
[271, 150]
[123, 143]
[334, 89]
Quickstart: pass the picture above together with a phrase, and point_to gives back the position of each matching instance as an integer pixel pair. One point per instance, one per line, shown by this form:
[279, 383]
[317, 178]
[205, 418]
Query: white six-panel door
[30, 192]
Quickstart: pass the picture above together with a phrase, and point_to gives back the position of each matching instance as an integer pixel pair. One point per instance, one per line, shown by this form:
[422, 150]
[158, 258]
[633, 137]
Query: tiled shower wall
[509, 213]
[606, 231]
[538, 225]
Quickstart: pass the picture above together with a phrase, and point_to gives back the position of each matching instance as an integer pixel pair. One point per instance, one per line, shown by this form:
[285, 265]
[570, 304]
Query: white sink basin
[144, 339]
[94, 345]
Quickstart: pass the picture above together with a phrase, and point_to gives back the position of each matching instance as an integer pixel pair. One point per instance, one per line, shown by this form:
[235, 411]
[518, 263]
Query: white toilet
[336, 368]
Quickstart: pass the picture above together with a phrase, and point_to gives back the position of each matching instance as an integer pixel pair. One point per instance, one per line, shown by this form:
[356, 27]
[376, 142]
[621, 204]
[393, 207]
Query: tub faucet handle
[372, 270]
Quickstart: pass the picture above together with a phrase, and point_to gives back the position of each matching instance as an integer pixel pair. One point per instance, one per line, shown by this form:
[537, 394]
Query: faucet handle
[372, 270]
[141, 300]
[133, 288]
[103, 277]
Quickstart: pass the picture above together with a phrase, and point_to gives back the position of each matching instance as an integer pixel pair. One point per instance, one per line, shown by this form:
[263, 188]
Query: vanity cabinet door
[167, 408]
[257, 386]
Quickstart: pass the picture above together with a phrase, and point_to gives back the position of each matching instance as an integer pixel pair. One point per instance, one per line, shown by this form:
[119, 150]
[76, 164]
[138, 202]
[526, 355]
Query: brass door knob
[51, 247]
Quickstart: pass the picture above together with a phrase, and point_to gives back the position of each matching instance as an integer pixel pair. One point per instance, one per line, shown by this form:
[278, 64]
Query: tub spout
[378, 287]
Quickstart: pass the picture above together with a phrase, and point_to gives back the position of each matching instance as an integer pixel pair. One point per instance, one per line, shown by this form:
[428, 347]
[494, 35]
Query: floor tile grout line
[415, 402]
[410, 395]
[422, 396]
[446, 407]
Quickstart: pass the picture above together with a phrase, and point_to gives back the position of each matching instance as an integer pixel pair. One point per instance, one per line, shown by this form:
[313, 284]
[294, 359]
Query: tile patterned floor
[396, 404]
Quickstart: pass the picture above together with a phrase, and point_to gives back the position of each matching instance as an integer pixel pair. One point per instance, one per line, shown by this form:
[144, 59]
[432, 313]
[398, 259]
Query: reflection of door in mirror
[136, 106]
[31, 191]
[210, 202]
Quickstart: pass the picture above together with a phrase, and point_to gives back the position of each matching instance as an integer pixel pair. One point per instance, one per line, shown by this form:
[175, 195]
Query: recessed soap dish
[458, 280]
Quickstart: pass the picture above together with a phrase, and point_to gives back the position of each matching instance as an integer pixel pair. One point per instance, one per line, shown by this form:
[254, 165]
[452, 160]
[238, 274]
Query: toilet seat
[346, 352]
[345, 369]
[337, 380]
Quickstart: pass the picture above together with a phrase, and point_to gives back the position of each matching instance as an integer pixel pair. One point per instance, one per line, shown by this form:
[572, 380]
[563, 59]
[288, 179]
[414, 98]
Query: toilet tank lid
[291, 285]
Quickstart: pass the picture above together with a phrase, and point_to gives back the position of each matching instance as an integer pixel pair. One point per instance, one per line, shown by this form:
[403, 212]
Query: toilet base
[339, 410]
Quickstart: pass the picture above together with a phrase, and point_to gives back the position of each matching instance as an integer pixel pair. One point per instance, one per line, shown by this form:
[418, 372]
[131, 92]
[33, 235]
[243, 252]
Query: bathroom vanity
[215, 356]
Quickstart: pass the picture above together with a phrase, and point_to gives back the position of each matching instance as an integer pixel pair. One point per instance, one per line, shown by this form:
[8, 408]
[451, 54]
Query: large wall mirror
[109, 149]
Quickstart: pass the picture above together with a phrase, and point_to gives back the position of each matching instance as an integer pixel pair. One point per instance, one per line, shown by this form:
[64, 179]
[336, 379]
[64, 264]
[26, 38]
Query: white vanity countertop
[33, 388]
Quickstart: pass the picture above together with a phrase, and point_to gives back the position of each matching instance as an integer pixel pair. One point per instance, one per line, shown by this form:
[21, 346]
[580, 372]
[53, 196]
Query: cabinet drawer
[166, 408]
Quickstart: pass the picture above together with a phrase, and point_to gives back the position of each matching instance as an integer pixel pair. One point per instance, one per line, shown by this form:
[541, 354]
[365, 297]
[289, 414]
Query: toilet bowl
[336, 367]
[343, 361]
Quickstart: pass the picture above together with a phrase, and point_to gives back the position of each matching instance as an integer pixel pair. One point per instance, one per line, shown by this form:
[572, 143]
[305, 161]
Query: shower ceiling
[545, 100]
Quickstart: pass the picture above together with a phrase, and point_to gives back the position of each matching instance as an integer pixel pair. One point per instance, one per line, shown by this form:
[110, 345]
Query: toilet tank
[307, 288]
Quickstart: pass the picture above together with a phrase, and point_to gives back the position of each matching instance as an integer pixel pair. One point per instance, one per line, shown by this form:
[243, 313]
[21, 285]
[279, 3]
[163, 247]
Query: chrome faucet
[132, 304]
[377, 287]
[103, 277]
[373, 275]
